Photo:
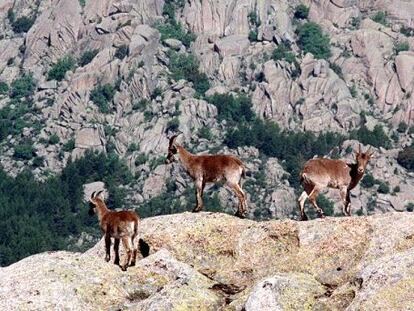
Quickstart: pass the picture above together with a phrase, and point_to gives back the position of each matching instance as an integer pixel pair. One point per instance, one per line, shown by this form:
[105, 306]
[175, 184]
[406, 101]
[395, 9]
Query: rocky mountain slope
[212, 261]
[121, 76]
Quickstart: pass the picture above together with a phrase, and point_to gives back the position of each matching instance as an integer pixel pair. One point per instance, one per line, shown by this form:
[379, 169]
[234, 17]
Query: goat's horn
[359, 151]
[93, 194]
[99, 193]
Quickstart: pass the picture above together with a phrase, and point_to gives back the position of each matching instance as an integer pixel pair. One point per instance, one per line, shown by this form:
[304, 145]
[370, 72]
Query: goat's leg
[343, 192]
[134, 250]
[301, 202]
[199, 184]
[312, 198]
[348, 203]
[116, 250]
[241, 211]
[126, 242]
[107, 247]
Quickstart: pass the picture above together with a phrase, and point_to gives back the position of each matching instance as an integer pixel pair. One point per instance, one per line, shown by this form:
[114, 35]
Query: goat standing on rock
[321, 173]
[118, 225]
[210, 169]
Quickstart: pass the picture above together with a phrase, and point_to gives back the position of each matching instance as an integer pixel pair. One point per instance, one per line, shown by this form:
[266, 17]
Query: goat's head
[172, 150]
[93, 202]
[362, 159]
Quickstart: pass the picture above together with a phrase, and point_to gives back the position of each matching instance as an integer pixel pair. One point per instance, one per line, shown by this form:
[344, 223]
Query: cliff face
[211, 261]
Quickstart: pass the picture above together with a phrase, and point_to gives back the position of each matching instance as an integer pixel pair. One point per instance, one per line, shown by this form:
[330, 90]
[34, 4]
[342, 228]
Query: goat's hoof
[116, 262]
[132, 264]
[322, 216]
[303, 218]
[196, 210]
[124, 268]
[107, 258]
[240, 215]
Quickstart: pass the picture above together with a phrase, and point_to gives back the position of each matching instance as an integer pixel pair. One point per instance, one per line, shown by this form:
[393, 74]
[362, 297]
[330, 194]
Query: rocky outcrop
[214, 261]
[54, 35]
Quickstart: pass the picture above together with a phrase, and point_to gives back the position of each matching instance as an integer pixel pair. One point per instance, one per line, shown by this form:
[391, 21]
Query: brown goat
[211, 169]
[118, 225]
[321, 173]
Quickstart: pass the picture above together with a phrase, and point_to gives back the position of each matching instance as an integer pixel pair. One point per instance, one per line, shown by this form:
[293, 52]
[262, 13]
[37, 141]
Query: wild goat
[321, 173]
[118, 225]
[210, 169]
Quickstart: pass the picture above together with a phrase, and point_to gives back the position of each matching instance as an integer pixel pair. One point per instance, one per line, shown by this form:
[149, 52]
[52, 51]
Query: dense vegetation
[58, 70]
[186, 66]
[38, 216]
[311, 39]
[102, 96]
[406, 158]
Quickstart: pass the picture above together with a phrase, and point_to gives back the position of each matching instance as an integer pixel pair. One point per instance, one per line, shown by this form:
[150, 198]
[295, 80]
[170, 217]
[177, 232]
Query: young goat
[118, 225]
[321, 173]
[210, 169]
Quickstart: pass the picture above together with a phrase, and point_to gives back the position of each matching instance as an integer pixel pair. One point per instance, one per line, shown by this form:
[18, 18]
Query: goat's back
[220, 164]
[321, 170]
[121, 223]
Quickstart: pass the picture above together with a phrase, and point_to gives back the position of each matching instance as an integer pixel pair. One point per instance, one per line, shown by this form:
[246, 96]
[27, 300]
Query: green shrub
[368, 181]
[142, 158]
[232, 108]
[396, 189]
[4, 88]
[22, 24]
[133, 147]
[173, 125]
[283, 51]
[174, 30]
[401, 46]
[254, 19]
[87, 57]
[380, 17]
[402, 127]
[156, 92]
[122, 52]
[140, 105]
[376, 137]
[38, 161]
[23, 86]
[383, 188]
[24, 151]
[353, 91]
[410, 207]
[82, 3]
[102, 95]
[205, 132]
[11, 16]
[69, 145]
[301, 11]
[252, 36]
[184, 66]
[407, 31]
[54, 139]
[58, 70]
[313, 40]
[406, 158]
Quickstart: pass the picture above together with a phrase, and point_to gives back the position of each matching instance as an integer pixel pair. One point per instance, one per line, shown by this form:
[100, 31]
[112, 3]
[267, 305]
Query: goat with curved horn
[321, 173]
[121, 225]
[208, 168]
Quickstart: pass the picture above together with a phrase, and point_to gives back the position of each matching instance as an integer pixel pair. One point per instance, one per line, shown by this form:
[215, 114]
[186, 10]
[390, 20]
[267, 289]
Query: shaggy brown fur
[122, 225]
[210, 169]
[321, 173]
